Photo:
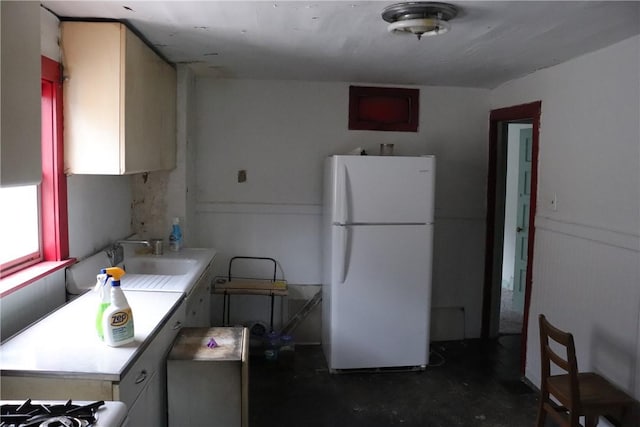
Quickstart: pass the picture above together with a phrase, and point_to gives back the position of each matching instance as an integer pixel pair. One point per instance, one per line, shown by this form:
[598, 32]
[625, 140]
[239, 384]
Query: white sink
[159, 266]
[171, 272]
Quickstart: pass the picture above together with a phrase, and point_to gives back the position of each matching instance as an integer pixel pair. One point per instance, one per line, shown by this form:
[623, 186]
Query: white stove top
[111, 414]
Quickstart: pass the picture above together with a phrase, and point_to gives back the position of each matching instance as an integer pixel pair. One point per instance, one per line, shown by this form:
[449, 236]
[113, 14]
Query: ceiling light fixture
[419, 18]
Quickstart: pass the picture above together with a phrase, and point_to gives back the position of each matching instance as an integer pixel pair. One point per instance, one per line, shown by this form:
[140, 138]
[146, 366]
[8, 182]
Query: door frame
[530, 111]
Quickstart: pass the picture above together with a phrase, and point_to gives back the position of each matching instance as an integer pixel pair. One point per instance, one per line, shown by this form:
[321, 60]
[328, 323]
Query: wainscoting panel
[586, 280]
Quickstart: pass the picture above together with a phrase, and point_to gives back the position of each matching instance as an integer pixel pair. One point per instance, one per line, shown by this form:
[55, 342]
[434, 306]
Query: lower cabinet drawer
[164, 340]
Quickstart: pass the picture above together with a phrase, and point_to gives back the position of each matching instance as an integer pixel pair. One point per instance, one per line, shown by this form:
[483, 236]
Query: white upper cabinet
[119, 102]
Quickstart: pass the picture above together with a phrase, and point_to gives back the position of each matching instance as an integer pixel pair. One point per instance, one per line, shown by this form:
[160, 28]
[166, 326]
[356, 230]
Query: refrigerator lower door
[380, 296]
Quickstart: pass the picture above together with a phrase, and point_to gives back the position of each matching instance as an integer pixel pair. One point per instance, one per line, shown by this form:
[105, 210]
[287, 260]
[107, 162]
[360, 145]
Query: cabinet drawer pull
[141, 377]
[177, 325]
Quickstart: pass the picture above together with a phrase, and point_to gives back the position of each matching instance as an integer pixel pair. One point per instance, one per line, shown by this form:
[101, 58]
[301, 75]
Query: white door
[522, 220]
[383, 189]
[381, 296]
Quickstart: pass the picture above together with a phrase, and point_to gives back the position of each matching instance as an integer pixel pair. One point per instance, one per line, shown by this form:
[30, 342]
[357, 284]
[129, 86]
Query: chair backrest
[568, 362]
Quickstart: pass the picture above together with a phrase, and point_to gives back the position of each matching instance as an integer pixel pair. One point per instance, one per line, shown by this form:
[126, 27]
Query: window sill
[22, 278]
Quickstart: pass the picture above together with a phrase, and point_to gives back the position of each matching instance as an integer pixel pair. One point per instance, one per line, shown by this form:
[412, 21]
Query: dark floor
[468, 383]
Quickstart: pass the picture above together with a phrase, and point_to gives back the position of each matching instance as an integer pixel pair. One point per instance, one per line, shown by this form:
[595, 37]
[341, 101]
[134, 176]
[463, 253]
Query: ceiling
[489, 42]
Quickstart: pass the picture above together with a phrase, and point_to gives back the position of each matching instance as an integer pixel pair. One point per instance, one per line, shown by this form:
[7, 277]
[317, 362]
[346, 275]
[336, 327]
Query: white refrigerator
[377, 257]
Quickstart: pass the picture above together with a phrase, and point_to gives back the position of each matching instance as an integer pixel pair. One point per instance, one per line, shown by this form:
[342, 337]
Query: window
[21, 227]
[37, 214]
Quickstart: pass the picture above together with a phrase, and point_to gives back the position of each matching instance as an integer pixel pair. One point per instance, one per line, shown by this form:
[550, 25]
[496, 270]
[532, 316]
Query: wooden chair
[580, 394]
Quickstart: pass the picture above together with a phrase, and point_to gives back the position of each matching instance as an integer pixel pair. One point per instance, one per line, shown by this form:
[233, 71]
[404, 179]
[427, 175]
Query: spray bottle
[103, 282]
[117, 320]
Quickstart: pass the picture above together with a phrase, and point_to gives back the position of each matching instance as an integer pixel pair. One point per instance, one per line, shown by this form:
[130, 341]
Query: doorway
[516, 226]
[511, 201]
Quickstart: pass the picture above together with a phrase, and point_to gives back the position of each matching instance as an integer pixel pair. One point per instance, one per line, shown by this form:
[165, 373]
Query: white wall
[28, 304]
[586, 254]
[280, 132]
[99, 212]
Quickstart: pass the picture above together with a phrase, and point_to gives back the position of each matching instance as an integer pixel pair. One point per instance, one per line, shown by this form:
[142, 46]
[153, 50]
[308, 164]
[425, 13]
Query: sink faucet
[154, 244]
[116, 252]
[134, 242]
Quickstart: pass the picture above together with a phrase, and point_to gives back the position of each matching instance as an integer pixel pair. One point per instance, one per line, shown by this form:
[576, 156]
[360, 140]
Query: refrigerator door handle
[343, 240]
[342, 199]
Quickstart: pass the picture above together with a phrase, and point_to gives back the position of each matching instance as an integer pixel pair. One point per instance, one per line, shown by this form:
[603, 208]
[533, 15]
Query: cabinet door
[165, 131]
[148, 409]
[149, 111]
[198, 305]
[149, 373]
[119, 103]
[92, 96]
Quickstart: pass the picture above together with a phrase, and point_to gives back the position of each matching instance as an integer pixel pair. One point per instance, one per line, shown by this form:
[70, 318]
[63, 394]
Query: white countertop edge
[65, 375]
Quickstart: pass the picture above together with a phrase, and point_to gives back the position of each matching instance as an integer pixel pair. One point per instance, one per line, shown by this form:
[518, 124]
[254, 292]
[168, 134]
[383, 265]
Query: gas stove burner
[64, 421]
[29, 414]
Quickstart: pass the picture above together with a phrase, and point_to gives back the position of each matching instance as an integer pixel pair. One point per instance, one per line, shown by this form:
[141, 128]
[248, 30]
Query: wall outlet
[242, 175]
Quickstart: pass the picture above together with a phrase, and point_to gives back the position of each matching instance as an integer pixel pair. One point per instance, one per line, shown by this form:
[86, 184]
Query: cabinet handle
[177, 325]
[141, 377]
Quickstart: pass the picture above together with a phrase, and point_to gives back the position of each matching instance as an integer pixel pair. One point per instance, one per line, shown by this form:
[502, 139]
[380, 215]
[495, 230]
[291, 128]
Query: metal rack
[243, 286]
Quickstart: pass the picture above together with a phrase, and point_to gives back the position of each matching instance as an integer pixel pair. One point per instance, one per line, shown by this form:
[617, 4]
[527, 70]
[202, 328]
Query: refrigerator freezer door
[383, 189]
[380, 298]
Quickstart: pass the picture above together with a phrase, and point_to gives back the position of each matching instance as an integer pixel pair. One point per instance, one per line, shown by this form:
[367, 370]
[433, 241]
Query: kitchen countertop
[66, 344]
